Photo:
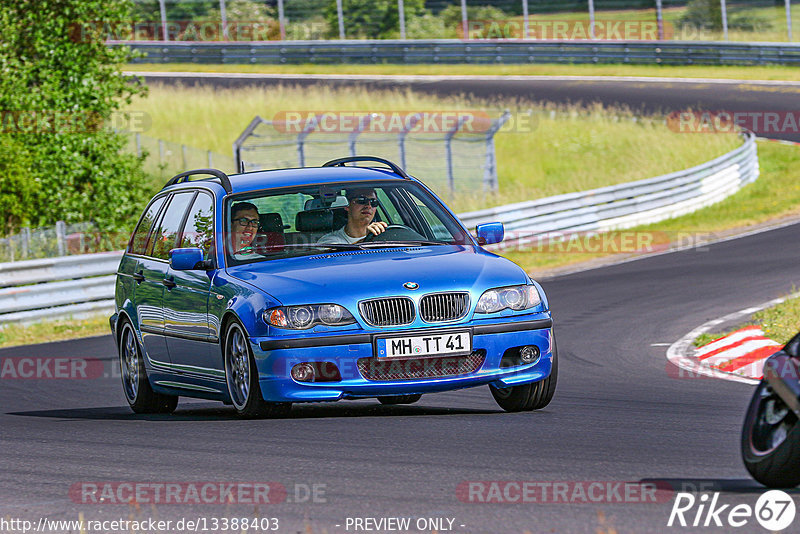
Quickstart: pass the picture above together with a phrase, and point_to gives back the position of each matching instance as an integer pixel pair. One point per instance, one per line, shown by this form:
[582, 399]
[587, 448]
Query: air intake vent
[394, 311]
[440, 307]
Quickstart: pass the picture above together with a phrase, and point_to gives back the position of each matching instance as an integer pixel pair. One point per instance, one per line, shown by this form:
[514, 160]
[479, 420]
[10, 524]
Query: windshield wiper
[414, 242]
[334, 246]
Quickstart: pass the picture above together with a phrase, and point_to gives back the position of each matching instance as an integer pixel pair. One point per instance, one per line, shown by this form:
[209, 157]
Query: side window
[139, 240]
[199, 228]
[388, 210]
[164, 239]
[440, 231]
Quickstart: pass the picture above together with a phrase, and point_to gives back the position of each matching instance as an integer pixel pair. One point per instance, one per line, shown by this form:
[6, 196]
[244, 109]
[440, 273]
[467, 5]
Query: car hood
[347, 277]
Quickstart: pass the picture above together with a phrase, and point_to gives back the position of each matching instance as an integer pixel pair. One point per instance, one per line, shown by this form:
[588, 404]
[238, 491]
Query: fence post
[362, 124]
[490, 182]
[61, 238]
[724, 10]
[163, 9]
[401, 12]
[160, 151]
[464, 22]
[789, 19]
[301, 140]
[660, 20]
[281, 20]
[448, 146]
[224, 16]
[210, 161]
[340, 16]
[26, 241]
[138, 144]
[401, 137]
[591, 19]
[183, 157]
[525, 21]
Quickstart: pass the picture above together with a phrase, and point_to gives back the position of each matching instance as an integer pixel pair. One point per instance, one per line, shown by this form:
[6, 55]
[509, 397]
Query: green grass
[774, 72]
[775, 194]
[779, 323]
[572, 149]
[46, 331]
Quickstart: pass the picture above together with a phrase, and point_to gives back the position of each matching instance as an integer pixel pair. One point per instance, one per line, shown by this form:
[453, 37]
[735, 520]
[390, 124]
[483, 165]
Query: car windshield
[270, 225]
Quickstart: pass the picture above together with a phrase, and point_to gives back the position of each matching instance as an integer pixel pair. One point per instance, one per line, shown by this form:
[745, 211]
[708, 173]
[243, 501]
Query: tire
[138, 392]
[771, 440]
[400, 399]
[529, 397]
[241, 376]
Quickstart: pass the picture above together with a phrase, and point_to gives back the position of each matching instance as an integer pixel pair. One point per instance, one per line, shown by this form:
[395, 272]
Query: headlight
[304, 317]
[513, 297]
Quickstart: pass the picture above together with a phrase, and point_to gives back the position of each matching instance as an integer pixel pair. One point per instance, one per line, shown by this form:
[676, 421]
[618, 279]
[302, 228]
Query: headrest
[271, 222]
[314, 221]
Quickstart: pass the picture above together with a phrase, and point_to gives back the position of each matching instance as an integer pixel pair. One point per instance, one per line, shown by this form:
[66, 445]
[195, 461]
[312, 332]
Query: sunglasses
[362, 200]
[245, 222]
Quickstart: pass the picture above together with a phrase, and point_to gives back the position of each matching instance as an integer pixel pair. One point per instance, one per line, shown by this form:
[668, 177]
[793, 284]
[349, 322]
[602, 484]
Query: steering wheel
[395, 232]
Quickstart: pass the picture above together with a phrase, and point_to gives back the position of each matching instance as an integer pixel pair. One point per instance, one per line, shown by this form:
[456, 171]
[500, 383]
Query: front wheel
[529, 397]
[138, 392]
[771, 440]
[241, 376]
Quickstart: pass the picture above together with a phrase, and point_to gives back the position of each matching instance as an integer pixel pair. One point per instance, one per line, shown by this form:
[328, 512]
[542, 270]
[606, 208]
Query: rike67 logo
[774, 510]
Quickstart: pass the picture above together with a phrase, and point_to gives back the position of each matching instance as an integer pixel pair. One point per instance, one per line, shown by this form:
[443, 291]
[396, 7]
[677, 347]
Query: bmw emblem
[411, 285]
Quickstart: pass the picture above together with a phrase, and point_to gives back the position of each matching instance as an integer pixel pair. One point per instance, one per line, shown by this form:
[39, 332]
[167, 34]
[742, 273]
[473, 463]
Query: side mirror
[186, 259]
[489, 233]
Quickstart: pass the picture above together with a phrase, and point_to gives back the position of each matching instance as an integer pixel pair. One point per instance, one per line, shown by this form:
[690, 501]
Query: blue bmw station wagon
[267, 288]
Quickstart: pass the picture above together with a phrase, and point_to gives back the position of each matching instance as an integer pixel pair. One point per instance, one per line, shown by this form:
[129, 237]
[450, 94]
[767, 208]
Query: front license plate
[425, 345]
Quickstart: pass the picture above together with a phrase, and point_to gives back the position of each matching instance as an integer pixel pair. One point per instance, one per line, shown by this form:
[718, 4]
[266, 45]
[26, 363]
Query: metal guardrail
[84, 284]
[626, 205]
[469, 51]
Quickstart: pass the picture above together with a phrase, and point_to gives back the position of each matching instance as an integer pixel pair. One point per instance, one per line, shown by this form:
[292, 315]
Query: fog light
[303, 372]
[529, 353]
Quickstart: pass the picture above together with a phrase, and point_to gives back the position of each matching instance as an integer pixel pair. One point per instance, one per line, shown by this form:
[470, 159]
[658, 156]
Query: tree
[60, 85]
[371, 19]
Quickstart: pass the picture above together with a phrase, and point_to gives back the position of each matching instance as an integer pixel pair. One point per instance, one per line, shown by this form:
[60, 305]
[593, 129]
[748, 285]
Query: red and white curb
[738, 357]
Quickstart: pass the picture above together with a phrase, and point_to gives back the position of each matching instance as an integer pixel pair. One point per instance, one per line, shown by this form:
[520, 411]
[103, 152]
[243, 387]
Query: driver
[361, 207]
[244, 225]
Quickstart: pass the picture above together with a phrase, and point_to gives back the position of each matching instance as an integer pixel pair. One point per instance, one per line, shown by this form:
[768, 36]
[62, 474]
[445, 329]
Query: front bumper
[276, 356]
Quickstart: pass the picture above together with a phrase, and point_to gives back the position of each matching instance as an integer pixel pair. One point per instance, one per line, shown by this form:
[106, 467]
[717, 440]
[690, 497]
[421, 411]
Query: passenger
[361, 208]
[244, 226]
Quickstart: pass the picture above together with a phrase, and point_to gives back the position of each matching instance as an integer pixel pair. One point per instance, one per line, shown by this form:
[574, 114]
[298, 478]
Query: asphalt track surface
[648, 96]
[620, 414]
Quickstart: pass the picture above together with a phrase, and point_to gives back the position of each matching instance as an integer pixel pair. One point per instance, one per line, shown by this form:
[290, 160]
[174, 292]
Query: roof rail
[340, 162]
[184, 177]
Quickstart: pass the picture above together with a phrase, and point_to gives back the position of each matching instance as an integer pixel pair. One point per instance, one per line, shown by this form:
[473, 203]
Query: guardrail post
[340, 16]
[591, 19]
[401, 137]
[525, 20]
[490, 182]
[281, 20]
[163, 9]
[448, 146]
[660, 20]
[26, 241]
[789, 19]
[464, 22]
[401, 12]
[61, 238]
[724, 10]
